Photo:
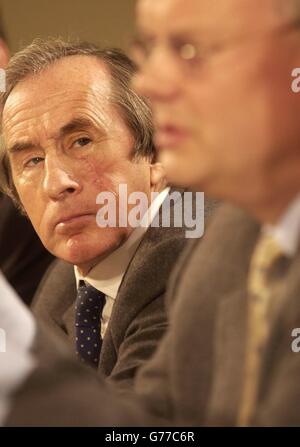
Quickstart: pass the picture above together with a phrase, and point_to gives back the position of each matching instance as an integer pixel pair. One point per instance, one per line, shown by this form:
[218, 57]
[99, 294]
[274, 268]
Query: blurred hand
[15, 318]
[17, 330]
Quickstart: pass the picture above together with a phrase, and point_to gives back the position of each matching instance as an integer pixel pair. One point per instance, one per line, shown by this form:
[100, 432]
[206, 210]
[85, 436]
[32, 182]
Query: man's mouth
[169, 136]
[73, 222]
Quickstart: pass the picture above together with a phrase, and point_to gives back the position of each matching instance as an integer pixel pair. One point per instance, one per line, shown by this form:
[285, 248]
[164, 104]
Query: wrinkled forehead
[75, 82]
[205, 16]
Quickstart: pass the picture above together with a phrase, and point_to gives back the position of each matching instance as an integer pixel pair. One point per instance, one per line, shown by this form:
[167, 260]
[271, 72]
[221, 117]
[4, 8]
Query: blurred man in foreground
[219, 75]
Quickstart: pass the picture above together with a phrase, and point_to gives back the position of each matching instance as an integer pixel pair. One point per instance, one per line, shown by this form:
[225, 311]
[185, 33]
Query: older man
[219, 75]
[73, 128]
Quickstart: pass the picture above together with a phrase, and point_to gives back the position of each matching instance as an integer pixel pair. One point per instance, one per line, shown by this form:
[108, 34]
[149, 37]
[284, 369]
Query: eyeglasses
[190, 57]
[187, 55]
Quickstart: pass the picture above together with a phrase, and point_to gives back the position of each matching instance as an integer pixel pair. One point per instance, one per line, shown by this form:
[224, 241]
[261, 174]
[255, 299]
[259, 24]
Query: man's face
[226, 120]
[67, 143]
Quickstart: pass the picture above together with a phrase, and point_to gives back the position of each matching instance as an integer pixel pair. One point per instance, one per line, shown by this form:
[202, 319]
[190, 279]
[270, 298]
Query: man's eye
[140, 51]
[83, 141]
[33, 162]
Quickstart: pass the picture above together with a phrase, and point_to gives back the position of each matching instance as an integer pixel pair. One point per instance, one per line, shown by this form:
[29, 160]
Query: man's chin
[85, 250]
[183, 176]
[75, 250]
[76, 259]
[179, 171]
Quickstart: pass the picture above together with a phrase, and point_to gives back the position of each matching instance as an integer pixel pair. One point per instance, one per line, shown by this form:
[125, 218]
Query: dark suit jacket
[196, 375]
[138, 319]
[23, 258]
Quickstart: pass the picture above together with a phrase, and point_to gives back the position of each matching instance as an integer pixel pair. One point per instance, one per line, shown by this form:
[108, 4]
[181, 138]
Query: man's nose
[159, 78]
[60, 180]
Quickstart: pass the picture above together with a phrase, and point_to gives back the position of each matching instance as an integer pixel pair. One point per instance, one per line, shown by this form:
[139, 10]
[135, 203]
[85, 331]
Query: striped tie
[261, 287]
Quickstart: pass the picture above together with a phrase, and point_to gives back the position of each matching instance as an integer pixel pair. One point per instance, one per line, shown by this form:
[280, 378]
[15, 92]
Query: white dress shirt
[107, 275]
[17, 331]
[287, 231]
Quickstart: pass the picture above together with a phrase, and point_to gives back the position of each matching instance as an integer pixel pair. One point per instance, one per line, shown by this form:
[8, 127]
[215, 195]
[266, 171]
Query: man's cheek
[99, 180]
[26, 195]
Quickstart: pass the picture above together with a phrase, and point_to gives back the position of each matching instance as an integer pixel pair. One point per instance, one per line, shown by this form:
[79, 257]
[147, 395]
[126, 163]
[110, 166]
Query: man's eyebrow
[75, 125]
[19, 146]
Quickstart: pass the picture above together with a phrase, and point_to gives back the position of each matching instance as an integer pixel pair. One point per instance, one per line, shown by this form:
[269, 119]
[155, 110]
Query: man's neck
[271, 210]
[86, 267]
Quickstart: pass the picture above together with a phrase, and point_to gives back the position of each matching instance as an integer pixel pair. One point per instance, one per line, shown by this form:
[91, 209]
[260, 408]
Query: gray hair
[40, 54]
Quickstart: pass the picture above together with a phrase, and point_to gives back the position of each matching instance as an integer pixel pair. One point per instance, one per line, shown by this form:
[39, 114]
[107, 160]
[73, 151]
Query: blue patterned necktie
[88, 312]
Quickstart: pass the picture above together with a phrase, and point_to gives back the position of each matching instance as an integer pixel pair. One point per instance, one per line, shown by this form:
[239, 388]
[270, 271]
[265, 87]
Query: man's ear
[157, 177]
[4, 54]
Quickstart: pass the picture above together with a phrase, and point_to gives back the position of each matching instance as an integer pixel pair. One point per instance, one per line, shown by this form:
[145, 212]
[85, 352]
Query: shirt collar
[107, 275]
[287, 231]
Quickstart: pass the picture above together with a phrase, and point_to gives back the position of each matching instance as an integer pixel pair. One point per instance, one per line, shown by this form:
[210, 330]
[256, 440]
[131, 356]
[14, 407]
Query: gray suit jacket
[196, 375]
[201, 383]
[138, 319]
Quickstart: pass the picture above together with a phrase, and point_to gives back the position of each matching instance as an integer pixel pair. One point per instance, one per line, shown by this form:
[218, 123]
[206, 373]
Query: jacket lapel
[229, 348]
[240, 235]
[143, 281]
[56, 297]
